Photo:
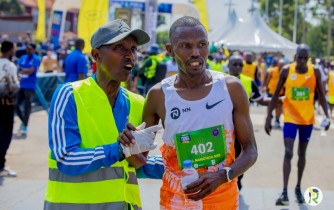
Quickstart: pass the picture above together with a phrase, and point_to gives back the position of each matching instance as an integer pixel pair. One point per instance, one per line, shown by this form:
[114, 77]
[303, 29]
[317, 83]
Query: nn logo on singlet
[175, 113]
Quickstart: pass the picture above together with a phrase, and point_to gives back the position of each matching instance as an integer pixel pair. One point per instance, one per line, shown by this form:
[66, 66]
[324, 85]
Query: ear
[169, 49]
[96, 55]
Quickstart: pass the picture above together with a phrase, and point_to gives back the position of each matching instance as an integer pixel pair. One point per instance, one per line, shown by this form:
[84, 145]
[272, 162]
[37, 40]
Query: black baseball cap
[115, 31]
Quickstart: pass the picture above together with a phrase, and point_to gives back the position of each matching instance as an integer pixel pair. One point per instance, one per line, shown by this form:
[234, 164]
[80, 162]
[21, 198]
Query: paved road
[262, 183]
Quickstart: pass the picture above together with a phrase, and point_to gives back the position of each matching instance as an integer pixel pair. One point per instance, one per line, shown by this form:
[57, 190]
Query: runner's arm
[243, 128]
[274, 99]
[210, 181]
[257, 96]
[266, 80]
[321, 92]
[65, 139]
[153, 105]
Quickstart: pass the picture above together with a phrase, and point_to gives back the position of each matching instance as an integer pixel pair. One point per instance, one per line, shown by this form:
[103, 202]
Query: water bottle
[188, 176]
[323, 125]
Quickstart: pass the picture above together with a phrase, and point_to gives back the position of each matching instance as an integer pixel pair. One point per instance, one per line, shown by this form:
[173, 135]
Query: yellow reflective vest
[249, 70]
[330, 93]
[115, 187]
[149, 72]
[217, 66]
[247, 83]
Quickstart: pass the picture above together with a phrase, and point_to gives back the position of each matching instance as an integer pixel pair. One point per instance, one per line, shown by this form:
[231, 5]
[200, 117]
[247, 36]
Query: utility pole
[267, 11]
[229, 4]
[151, 16]
[280, 17]
[304, 22]
[329, 32]
[295, 19]
[253, 8]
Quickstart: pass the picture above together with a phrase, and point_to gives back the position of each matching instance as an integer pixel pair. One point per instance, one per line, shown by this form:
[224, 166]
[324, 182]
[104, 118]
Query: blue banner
[130, 4]
[162, 7]
[56, 27]
[165, 8]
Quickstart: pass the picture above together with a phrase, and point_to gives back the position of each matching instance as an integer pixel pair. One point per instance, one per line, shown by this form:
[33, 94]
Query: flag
[40, 31]
[92, 14]
[203, 12]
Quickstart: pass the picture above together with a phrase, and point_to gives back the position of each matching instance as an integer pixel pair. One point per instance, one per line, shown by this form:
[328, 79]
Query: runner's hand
[144, 140]
[207, 183]
[267, 126]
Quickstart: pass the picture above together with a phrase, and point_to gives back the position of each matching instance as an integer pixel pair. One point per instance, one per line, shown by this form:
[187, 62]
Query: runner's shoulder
[233, 83]
[155, 93]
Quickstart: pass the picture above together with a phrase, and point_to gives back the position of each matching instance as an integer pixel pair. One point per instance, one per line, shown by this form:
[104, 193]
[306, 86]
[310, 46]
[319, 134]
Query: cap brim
[141, 36]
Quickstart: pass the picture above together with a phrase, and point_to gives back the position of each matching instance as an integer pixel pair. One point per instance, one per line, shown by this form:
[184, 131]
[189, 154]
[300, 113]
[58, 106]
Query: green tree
[287, 18]
[162, 39]
[10, 7]
[316, 38]
[314, 35]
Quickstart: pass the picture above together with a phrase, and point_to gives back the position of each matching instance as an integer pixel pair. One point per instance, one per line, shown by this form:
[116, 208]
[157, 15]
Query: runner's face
[190, 48]
[235, 67]
[302, 58]
[117, 60]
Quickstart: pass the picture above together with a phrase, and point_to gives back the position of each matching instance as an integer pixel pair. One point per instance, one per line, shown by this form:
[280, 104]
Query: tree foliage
[162, 39]
[10, 7]
[314, 35]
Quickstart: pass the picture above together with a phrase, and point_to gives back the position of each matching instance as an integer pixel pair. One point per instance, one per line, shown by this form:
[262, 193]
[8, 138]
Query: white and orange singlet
[183, 116]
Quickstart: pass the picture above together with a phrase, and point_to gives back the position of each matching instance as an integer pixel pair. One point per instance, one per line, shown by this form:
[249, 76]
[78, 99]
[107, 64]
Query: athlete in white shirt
[9, 85]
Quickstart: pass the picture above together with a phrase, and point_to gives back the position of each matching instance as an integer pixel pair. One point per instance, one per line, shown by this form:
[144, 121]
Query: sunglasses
[302, 57]
[238, 64]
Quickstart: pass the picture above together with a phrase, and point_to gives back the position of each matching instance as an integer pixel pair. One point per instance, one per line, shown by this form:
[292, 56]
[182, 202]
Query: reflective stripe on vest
[95, 176]
[247, 83]
[115, 205]
[115, 187]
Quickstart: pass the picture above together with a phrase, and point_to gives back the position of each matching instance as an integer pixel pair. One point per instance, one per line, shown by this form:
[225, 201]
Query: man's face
[30, 50]
[190, 48]
[313, 60]
[117, 60]
[302, 58]
[248, 58]
[11, 53]
[235, 66]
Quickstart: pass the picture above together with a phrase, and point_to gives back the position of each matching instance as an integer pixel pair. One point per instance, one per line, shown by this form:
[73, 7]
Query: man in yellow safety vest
[88, 168]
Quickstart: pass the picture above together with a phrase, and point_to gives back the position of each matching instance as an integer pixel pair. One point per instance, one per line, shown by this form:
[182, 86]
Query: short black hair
[183, 21]
[235, 57]
[303, 47]
[6, 46]
[79, 43]
[32, 45]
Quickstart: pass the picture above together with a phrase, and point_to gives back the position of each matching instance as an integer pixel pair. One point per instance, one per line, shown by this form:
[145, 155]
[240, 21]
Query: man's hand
[267, 126]
[126, 138]
[206, 184]
[140, 140]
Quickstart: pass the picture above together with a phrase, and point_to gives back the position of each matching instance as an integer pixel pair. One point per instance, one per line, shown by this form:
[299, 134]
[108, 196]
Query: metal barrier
[46, 85]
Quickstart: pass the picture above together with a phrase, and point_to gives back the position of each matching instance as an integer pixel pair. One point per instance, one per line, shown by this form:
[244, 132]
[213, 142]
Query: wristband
[120, 152]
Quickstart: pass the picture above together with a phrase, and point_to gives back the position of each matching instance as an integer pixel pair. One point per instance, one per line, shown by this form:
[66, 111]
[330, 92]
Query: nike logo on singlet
[213, 105]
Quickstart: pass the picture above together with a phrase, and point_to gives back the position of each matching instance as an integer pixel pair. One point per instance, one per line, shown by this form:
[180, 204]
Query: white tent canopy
[254, 35]
[222, 30]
